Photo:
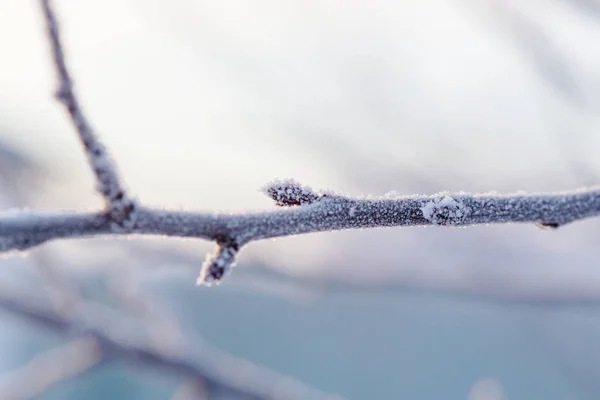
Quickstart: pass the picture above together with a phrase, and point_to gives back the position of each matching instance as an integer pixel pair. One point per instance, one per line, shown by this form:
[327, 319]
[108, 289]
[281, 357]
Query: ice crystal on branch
[290, 193]
[444, 211]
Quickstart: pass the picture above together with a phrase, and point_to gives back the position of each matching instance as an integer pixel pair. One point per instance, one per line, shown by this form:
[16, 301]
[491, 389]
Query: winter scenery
[224, 199]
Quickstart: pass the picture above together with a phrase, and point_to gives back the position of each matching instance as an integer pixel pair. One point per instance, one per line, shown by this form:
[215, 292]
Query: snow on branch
[119, 206]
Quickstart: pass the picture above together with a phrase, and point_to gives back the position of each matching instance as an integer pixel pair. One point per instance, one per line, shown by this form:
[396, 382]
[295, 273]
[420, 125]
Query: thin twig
[50, 368]
[119, 206]
[219, 373]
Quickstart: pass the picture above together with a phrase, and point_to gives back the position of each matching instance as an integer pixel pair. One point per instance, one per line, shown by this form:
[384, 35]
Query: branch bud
[288, 193]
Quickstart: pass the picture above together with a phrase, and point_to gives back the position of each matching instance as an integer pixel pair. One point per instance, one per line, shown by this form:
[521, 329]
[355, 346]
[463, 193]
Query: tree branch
[307, 211]
[21, 231]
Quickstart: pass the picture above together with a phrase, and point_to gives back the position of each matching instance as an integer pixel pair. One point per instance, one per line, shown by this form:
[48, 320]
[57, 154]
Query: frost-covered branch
[304, 209]
[119, 206]
[222, 376]
[20, 231]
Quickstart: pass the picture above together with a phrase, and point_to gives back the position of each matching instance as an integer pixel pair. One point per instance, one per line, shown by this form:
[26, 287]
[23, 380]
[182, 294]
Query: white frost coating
[445, 211]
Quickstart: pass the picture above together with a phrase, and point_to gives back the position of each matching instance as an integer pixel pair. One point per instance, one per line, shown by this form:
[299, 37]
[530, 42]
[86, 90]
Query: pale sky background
[203, 102]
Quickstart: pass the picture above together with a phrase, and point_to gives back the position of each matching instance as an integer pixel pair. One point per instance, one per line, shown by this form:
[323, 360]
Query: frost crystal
[445, 211]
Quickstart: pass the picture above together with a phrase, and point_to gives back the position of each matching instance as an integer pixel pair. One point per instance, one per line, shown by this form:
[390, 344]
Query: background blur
[203, 102]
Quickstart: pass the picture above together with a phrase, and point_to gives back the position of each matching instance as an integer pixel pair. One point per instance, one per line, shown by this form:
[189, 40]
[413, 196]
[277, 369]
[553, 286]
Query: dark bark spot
[227, 241]
[548, 225]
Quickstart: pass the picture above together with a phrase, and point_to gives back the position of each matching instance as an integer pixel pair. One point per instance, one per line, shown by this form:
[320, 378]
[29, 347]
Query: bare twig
[218, 373]
[119, 206]
[50, 368]
[21, 231]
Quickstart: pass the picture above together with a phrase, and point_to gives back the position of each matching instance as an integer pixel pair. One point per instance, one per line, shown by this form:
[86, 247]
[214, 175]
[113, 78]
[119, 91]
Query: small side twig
[219, 263]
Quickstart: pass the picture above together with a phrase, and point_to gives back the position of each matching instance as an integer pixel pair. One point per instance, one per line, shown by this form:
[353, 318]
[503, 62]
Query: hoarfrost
[445, 211]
